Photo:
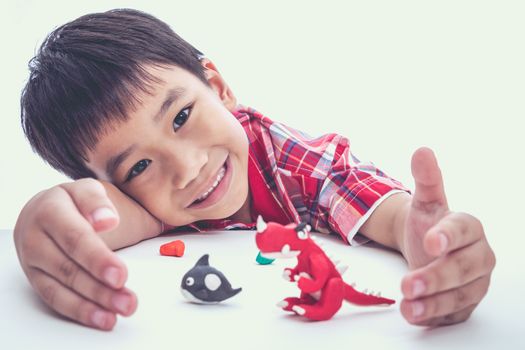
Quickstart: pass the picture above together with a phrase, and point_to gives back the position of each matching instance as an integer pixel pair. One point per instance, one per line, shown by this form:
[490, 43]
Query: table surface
[165, 320]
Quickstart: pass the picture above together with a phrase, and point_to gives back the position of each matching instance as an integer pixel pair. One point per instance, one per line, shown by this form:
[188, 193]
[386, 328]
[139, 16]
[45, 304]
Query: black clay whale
[204, 284]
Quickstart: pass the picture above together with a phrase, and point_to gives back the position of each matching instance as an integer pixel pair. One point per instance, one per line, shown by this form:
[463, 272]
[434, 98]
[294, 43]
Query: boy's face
[181, 154]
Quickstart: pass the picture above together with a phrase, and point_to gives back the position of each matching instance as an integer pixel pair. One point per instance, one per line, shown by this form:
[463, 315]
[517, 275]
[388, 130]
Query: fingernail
[122, 303]
[102, 214]
[112, 275]
[443, 242]
[417, 309]
[418, 288]
[99, 319]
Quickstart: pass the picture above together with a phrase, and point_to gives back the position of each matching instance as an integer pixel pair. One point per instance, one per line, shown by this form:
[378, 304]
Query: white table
[164, 320]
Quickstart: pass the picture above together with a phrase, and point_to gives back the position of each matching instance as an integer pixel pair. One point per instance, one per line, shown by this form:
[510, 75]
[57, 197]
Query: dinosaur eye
[190, 281]
[303, 234]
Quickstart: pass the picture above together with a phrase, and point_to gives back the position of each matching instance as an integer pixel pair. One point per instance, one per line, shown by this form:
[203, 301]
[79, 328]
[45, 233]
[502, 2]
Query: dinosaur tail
[362, 298]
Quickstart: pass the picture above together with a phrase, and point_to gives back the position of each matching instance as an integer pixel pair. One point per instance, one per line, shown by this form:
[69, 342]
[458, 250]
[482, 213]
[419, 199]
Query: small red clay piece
[173, 248]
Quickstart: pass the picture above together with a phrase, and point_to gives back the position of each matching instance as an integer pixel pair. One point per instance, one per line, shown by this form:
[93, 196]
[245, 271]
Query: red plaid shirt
[294, 177]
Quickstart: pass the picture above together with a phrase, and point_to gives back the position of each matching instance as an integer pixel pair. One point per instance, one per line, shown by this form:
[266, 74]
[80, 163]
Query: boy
[154, 139]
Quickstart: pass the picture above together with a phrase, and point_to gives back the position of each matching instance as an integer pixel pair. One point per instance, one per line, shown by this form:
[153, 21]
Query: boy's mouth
[216, 190]
[218, 179]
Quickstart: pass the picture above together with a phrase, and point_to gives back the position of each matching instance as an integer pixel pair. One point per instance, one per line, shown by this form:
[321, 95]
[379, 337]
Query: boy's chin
[240, 212]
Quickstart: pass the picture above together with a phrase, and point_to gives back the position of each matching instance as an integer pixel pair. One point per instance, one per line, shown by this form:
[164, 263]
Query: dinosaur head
[278, 241]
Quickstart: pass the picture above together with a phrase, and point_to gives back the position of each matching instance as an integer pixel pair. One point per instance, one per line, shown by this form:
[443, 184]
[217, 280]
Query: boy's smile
[181, 154]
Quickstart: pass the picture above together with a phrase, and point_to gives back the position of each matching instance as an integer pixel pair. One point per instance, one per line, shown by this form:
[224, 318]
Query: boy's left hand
[447, 252]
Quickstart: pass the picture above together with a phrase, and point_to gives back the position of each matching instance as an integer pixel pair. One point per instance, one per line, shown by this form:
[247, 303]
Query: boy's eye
[181, 118]
[138, 168]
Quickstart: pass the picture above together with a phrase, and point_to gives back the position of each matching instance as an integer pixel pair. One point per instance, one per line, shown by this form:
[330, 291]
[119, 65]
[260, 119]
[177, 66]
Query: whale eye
[190, 281]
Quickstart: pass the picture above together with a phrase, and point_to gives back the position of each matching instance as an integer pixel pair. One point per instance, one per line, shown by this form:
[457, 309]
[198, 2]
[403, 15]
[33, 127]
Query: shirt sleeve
[352, 191]
[320, 181]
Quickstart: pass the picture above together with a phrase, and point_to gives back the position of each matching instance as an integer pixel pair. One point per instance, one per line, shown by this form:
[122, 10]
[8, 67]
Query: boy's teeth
[220, 175]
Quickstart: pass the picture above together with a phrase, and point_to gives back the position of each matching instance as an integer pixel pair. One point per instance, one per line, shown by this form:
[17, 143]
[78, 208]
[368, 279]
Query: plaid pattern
[295, 177]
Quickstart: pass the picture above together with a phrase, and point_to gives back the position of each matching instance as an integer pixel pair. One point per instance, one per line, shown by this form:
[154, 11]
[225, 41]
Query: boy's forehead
[168, 84]
[165, 75]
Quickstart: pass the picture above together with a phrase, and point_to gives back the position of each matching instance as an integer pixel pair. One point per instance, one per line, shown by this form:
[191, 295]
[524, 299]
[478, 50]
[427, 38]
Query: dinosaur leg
[329, 303]
[288, 303]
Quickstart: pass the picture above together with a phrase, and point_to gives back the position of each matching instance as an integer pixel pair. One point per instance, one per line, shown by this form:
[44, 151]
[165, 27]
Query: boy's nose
[186, 168]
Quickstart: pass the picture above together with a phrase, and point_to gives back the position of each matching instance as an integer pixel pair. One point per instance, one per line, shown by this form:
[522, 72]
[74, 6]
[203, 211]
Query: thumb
[92, 201]
[429, 189]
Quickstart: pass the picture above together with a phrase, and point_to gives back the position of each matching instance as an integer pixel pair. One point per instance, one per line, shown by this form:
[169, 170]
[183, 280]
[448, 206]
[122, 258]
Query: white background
[390, 75]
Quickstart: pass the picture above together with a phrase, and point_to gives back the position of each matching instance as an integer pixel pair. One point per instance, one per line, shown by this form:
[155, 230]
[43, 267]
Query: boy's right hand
[65, 260]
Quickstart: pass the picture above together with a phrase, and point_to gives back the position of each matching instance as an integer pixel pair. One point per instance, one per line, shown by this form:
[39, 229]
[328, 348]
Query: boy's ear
[218, 84]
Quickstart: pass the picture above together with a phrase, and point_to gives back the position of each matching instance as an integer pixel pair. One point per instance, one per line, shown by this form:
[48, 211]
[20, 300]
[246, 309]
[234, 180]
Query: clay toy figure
[204, 284]
[318, 277]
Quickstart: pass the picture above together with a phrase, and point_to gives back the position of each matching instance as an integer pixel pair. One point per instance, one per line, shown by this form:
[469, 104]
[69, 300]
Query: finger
[77, 239]
[55, 263]
[429, 190]
[456, 269]
[443, 304]
[453, 231]
[71, 305]
[447, 320]
[92, 201]
[451, 319]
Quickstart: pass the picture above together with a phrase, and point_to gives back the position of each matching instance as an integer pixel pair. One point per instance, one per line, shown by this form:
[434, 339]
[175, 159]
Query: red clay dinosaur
[319, 278]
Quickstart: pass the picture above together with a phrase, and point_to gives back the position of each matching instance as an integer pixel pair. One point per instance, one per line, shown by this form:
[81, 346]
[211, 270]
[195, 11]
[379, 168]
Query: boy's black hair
[84, 78]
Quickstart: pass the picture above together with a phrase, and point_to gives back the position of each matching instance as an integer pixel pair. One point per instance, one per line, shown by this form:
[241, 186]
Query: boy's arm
[136, 223]
[447, 252]
[386, 224]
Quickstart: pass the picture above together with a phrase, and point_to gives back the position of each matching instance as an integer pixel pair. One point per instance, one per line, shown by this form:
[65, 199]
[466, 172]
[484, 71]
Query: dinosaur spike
[341, 268]
[332, 258]
[319, 243]
[261, 225]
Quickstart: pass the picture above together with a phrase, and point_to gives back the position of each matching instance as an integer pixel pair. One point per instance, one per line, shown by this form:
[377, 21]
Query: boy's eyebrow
[115, 161]
[171, 96]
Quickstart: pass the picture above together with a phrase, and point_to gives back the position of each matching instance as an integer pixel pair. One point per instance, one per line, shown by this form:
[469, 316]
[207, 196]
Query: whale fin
[203, 261]
[235, 292]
